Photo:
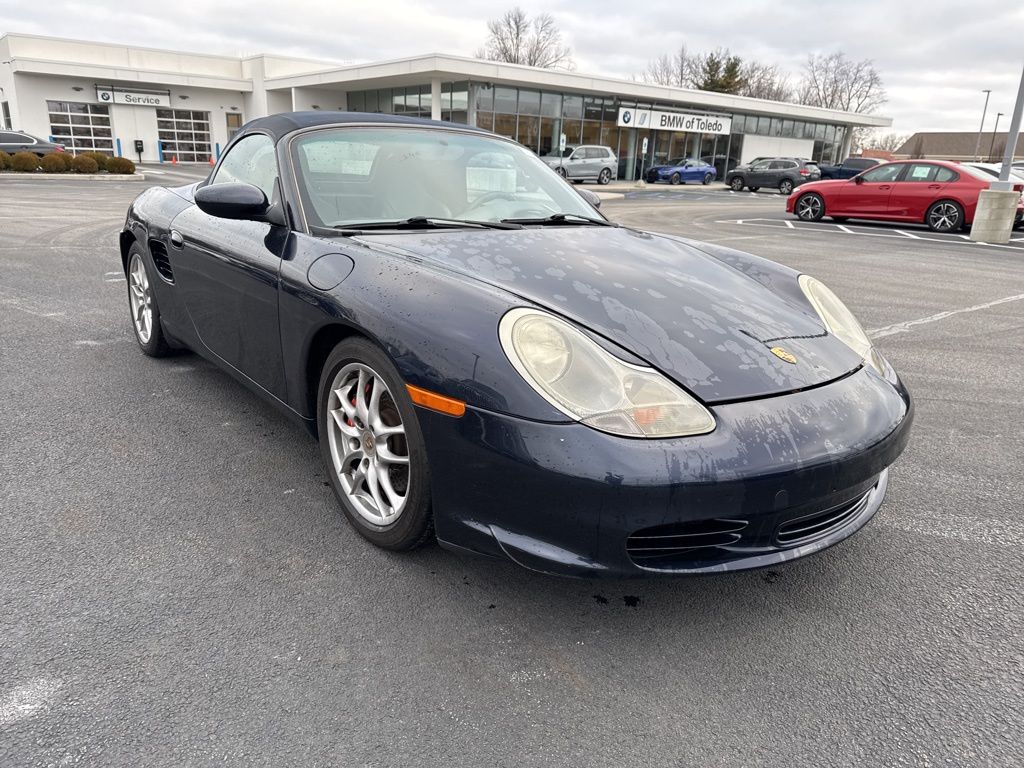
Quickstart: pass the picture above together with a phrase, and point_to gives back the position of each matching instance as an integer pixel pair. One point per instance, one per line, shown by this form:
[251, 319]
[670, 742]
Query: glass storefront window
[593, 106]
[572, 106]
[550, 132]
[505, 100]
[484, 98]
[551, 104]
[505, 125]
[529, 131]
[485, 120]
[529, 102]
[460, 96]
[591, 132]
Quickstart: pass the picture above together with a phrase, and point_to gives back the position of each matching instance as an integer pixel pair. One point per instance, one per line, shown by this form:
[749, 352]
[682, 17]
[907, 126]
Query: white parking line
[28, 699]
[975, 530]
[904, 327]
[829, 228]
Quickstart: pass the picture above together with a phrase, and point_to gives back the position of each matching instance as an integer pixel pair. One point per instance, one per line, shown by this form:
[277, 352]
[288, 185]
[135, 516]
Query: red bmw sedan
[940, 194]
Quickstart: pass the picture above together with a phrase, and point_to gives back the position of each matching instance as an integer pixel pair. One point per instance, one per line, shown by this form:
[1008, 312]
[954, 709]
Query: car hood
[703, 323]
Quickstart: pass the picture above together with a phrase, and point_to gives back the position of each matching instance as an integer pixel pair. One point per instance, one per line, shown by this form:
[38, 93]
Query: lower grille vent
[678, 538]
[160, 260]
[811, 527]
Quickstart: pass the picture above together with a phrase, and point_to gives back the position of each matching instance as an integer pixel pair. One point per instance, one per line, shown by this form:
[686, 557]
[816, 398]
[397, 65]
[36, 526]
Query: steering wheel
[488, 197]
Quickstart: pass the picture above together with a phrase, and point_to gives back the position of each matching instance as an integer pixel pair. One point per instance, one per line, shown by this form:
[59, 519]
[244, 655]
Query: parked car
[460, 388]
[782, 173]
[993, 170]
[681, 171]
[940, 194]
[588, 162]
[849, 168]
[723, 164]
[19, 141]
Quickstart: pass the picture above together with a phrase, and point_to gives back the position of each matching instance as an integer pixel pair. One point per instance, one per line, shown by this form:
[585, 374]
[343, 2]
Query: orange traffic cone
[174, 159]
[211, 160]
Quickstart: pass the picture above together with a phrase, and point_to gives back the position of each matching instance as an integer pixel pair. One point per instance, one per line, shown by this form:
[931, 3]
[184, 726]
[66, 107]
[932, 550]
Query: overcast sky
[934, 57]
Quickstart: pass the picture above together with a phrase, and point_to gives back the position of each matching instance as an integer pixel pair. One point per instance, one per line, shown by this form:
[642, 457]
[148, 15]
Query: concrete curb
[79, 176]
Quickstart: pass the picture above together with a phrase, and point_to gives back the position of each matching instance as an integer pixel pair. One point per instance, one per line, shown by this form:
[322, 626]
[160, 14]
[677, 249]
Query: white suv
[588, 162]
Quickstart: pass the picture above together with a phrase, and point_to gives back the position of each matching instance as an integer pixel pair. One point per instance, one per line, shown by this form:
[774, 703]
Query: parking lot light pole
[992, 144]
[997, 205]
[977, 144]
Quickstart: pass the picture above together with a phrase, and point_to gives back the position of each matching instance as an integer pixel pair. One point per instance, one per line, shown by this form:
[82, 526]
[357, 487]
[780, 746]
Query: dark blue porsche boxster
[487, 360]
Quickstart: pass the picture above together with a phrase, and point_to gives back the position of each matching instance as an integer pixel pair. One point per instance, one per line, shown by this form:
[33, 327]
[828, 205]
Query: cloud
[935, 57]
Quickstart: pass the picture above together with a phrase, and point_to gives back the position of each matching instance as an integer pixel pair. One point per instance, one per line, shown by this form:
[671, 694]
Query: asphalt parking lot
[177, 586]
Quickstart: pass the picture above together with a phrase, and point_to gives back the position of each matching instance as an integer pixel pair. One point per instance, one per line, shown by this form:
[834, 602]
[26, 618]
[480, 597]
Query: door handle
[885, 186]
[934, 186]
[176, 239]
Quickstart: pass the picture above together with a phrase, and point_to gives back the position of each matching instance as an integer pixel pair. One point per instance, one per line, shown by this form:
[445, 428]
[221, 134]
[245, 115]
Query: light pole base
[993, 219]
[639, 183]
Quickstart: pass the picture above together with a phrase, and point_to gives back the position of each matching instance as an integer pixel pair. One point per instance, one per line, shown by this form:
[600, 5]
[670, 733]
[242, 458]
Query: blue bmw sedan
[682, 171]
[487, 361]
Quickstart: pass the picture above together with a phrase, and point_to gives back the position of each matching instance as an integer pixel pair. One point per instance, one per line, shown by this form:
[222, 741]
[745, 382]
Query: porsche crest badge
[782, 354]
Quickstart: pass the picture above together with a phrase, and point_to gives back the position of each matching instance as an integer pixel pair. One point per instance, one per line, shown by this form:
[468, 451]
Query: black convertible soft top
[284, 123]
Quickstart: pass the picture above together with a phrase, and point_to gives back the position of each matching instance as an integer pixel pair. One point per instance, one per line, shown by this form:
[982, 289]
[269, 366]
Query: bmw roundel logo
[627, 116]
[105, 96]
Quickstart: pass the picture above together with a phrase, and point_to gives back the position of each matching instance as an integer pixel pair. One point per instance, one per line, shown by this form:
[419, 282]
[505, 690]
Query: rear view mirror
[590, 197]
[232, 200]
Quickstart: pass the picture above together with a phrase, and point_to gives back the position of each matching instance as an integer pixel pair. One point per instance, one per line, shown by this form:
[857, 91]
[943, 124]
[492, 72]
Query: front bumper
[779, 478]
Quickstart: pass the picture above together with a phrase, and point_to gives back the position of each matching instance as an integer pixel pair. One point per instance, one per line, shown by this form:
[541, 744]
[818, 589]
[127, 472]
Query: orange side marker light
[435, 402]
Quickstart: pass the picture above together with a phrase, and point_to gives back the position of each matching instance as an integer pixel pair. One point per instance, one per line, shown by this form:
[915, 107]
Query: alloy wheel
[605, 177]
[140, 298]
[368, 444]
[785, 186]
[809, 208]
[944, 217]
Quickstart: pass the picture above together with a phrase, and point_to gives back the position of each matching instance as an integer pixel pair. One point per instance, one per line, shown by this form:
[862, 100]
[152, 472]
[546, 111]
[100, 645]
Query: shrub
[120, 165]
[5, 161]
[25, 162]
[83, 164]
[99, 157]
[52, 163]
[64, 158]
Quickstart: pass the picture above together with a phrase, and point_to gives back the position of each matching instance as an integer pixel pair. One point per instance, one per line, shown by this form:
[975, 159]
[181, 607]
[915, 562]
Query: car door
[227, 271]
[576, 163]
[919, 187]
[867, 194]
[759, 174]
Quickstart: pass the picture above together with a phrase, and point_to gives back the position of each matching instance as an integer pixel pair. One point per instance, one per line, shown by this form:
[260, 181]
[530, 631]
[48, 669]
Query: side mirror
[233, 200]
[590, 197]
[858, 180]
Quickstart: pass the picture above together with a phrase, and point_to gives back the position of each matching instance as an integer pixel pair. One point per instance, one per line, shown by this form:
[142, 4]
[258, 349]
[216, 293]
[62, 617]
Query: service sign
[106, 95]
[673, 121]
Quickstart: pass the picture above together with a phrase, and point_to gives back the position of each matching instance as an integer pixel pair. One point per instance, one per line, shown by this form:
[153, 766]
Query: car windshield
[353, 176]
[677, 161]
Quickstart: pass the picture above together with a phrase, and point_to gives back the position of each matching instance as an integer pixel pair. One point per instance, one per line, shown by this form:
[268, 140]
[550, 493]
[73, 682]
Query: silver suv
[588, 162]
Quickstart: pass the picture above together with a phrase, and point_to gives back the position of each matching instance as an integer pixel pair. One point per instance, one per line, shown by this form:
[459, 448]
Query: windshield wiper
[562, 218]
[413, 222]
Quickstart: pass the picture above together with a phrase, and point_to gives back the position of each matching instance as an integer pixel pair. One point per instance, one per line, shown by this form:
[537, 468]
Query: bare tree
[517, 39]
[885, 142]
[836, 82]
[766, 81]
[669, 69]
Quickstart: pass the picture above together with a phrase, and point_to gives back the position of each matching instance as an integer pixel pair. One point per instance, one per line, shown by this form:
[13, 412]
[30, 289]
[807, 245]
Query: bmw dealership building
[172, 106]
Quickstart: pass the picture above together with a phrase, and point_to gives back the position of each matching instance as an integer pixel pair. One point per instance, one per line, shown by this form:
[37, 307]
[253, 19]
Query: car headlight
[592, 386]
[840, 322]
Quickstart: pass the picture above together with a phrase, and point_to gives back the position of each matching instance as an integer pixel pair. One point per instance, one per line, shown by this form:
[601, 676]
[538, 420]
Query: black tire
[605, 177]
[944, 216]
[736, 183]
[754, 189]
[561, 172]
[809, 207]
[415, 524]
[674, 179]
[156, 345]
[786, 187]
[707, 179]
